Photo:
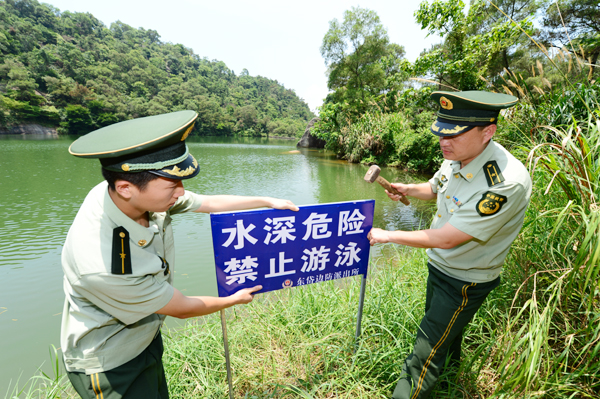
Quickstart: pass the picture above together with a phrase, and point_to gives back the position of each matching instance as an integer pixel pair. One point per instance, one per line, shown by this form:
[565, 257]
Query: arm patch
[490, 203]
[121, 255]
[493, 174]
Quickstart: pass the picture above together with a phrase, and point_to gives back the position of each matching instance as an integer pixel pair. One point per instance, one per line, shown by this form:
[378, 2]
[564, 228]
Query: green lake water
[42, 187]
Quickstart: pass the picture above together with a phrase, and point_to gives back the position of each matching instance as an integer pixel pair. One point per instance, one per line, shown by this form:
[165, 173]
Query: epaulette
[121, 255]
[493, 174]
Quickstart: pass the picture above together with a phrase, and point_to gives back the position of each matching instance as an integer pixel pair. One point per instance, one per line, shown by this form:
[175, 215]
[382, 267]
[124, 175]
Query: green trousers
[449, 306]
[141, 377]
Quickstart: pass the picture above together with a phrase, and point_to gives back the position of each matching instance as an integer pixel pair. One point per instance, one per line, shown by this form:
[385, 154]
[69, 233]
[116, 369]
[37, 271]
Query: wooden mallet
[373, 175]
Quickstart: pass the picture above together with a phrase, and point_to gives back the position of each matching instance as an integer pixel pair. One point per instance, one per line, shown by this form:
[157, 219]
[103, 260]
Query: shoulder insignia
[165, 266]
[490, 203]
[493, 174]
[121, 255]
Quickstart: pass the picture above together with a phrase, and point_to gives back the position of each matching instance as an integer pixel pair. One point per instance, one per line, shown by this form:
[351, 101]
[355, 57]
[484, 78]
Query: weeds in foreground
[43, 385]
[551, 342]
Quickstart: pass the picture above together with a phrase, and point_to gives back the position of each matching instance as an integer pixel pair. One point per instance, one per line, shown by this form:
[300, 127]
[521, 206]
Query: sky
[276, 39]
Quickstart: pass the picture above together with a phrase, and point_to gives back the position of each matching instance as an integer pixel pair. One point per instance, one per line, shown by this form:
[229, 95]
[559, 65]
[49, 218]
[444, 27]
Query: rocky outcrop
[308, 140]
[29, 129]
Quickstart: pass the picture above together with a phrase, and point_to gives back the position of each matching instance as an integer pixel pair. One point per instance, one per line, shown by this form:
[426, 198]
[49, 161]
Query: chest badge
[456, 201]
[490, 204]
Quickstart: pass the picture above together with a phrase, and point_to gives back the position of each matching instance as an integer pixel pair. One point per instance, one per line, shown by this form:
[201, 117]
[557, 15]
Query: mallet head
[372, 173]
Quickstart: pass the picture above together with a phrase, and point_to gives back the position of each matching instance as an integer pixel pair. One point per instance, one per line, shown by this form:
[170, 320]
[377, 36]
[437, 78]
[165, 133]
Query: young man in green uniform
[482, 193]
[118, 256]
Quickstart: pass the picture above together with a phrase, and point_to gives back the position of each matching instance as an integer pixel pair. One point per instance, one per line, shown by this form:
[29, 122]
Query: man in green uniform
[118, 256]
[482, 193]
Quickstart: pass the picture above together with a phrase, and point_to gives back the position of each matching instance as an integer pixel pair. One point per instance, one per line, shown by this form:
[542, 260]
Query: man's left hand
[378, 236]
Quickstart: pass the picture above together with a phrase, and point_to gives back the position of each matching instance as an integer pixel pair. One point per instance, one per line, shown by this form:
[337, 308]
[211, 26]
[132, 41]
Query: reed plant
[550, 345]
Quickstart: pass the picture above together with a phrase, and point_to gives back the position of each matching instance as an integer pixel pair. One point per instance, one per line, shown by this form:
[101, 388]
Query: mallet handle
[385, 184]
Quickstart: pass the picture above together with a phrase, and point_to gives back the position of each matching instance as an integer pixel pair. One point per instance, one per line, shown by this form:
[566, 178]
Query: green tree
[354, 51]
[499, 12]
[78, 120]
[464, 60]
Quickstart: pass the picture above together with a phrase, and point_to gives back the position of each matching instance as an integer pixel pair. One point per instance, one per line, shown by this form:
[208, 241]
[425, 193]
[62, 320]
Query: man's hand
[182, 306]
[421, 191]
[403, 188]
[245, 295]
[277, 203]
[378, 236]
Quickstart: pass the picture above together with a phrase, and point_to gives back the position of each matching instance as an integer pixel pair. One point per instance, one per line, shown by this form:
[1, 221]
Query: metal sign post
[361, 302]
[283, 249]
[226, 346]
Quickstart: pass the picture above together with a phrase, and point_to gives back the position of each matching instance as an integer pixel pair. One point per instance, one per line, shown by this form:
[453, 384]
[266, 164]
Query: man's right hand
[403, 188]
[421, 191]
[245, 295]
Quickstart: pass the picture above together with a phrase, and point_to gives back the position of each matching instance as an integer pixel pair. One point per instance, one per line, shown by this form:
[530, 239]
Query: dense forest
[68, 70]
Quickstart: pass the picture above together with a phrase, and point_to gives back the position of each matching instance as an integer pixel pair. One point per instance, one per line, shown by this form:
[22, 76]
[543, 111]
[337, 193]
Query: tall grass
[550, 345]
[300, 343]
[551, 342]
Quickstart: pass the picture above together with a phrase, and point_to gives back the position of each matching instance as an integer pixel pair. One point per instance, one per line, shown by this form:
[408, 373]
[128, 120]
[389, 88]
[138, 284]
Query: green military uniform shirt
[486, 199]
[108, 319]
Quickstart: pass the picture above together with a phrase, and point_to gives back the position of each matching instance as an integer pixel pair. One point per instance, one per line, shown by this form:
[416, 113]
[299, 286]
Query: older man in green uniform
[482, 193]
[118, 256]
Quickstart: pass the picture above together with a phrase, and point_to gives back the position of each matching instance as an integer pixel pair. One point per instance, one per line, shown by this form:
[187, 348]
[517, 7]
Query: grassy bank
[300, 343]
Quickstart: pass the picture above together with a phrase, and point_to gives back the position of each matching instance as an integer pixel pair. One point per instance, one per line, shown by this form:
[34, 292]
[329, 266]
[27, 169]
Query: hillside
[70, 71]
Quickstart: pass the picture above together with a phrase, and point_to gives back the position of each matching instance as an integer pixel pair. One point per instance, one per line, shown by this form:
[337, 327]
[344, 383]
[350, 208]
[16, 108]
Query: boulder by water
[29, 129]
[308, 140]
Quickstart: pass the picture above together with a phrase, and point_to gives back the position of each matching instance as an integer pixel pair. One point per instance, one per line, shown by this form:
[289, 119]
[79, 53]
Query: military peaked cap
[462, 110]
[154, 143]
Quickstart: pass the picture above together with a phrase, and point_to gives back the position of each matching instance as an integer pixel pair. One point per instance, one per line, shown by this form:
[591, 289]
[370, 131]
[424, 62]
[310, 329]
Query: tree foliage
[362, 63]
[575, 24]
[471, 42]
[69, 68]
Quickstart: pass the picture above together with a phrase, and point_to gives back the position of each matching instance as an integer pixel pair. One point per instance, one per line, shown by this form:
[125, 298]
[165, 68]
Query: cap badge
[176, 171]
[456, 129]
[445, 103]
